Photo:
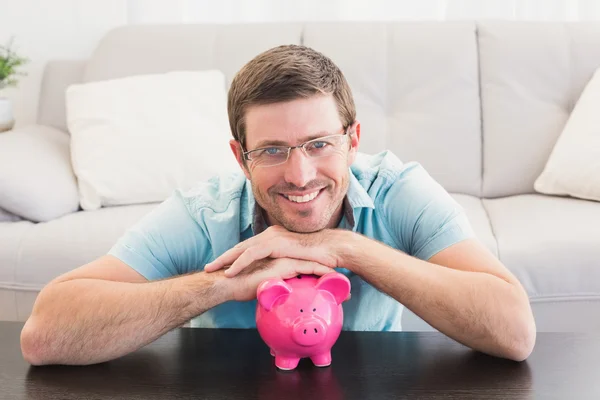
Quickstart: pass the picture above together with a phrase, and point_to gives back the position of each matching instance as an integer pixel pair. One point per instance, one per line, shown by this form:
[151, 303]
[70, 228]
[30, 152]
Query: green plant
[9, 65]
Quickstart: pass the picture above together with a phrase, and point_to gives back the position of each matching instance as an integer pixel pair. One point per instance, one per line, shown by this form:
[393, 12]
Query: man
[306, 203]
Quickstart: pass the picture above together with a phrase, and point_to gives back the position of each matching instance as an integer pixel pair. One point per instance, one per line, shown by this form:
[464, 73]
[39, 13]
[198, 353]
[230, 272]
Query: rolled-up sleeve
[164, 243]
[422, 215]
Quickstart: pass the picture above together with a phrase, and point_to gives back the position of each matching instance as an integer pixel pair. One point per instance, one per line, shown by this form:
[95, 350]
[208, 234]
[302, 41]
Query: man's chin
[304, 227]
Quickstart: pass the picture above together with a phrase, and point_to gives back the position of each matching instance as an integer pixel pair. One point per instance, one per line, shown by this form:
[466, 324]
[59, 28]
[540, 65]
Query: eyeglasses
[315, 148]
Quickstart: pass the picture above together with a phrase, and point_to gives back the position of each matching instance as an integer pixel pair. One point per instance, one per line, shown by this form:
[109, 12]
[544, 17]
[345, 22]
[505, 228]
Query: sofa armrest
[36, 178]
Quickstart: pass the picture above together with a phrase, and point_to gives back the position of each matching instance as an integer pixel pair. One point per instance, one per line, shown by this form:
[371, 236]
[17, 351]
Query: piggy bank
[301, 317]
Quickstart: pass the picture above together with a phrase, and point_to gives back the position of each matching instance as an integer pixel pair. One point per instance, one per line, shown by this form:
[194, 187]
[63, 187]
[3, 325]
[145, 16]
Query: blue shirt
[396, 203]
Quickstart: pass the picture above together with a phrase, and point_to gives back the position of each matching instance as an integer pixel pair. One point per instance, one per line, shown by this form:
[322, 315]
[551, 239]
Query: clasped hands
[277, 252]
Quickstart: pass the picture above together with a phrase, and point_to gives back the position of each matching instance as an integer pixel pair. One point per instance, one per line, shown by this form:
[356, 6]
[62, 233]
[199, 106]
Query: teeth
[303, 199]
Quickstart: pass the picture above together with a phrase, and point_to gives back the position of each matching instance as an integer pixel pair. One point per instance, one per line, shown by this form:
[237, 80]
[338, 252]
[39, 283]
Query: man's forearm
[477, 309]
[86, 321]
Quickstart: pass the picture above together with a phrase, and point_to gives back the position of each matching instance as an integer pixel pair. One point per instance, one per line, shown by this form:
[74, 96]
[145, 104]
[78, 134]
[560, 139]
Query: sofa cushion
[58, 75]
[574, 165]
[36, 178]
[552, 244]
[132, 50]
[136, 139]
[532, 73]
[12, 235]
[33, 254]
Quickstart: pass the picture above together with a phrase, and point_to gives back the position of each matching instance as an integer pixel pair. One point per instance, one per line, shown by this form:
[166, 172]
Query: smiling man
[305, 202]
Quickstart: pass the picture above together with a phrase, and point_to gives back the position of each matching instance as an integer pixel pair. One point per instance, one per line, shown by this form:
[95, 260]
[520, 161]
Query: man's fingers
[224, 259]
[321, 269]
[248, 257]
[310, 268]
[271, 248]
[290, 268]
[230, 256]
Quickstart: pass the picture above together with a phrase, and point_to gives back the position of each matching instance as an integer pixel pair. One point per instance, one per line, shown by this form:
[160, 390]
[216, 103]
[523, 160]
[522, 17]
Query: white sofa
[479, 104]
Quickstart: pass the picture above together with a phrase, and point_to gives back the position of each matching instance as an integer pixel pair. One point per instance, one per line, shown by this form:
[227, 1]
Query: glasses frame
[247, 154]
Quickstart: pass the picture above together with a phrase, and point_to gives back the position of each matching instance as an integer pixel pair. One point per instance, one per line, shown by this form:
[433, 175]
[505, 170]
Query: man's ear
[354, 132]
[236, 147]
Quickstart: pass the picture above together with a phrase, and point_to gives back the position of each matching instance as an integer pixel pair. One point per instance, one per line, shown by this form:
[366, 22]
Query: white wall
[53, 29]
[70, 29]
[231, 11]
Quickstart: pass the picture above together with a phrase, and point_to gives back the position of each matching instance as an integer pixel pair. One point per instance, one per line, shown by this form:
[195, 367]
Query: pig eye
[314, 309]
[301, 310]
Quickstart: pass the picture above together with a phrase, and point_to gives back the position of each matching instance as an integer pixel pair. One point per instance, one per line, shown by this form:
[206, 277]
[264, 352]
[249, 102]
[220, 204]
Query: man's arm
[109, 308]
[90, 315]
[463, 291]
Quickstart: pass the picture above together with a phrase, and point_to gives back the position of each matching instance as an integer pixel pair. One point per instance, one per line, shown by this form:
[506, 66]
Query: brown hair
[285, 73]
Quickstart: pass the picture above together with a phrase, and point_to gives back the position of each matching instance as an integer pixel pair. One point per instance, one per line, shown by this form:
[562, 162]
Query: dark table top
[192, 363]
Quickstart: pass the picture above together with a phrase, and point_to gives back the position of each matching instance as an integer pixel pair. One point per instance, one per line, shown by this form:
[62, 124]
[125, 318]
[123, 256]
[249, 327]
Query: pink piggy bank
[301, 317]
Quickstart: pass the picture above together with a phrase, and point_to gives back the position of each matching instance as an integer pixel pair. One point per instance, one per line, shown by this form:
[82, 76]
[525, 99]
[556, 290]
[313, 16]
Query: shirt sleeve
[422, 215]
[164, 243]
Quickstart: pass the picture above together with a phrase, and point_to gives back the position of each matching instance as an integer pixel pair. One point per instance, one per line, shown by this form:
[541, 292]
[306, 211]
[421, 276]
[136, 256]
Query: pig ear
[335, 283]
[270, 290]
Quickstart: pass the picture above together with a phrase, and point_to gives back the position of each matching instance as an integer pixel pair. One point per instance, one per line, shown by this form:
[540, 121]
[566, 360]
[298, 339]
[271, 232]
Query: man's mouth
[304, 198]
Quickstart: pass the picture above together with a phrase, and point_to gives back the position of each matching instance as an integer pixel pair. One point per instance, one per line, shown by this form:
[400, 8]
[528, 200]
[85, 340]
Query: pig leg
[286, 363]
[322, 360]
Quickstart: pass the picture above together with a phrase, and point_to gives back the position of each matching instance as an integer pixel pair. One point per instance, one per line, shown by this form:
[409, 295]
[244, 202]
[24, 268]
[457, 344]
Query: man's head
[287, 96]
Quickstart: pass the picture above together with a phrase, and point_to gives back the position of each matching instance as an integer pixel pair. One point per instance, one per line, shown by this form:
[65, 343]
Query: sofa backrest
[417, 85]
[532, 74]
[58, 75]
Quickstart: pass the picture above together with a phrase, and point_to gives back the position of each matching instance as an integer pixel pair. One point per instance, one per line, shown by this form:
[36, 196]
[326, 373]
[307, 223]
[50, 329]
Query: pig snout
[309, 331]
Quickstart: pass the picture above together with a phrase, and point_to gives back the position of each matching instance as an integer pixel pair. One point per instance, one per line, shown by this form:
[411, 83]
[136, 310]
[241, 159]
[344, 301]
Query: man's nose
[299, 169]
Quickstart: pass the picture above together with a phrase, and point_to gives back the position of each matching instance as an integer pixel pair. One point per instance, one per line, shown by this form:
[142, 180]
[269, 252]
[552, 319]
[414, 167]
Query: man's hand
[277, 242]
[243, 286]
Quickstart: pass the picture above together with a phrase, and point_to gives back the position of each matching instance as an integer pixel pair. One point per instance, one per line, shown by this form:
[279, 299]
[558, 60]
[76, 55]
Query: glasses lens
[325, 146]
[269, 156]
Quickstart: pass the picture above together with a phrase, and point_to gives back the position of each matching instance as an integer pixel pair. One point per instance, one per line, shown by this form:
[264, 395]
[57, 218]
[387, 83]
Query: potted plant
[10, 62]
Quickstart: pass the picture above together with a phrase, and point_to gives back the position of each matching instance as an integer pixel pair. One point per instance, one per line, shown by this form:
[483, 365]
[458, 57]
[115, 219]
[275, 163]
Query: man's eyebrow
[265, 143]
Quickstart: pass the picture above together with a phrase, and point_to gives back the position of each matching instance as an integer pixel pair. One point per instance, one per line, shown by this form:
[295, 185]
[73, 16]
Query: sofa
[480, 104]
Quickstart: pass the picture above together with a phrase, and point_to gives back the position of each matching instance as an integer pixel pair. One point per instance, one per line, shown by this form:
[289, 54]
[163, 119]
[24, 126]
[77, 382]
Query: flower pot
[6, 114]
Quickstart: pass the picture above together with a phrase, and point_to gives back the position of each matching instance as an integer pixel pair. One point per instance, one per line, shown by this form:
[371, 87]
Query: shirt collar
[356, 198]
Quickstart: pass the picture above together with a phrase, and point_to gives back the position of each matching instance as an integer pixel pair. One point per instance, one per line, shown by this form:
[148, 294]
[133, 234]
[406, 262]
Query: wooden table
[190, 363]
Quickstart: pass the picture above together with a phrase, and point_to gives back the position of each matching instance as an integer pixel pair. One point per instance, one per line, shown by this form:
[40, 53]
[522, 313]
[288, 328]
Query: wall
[52, 29]
[70, 29]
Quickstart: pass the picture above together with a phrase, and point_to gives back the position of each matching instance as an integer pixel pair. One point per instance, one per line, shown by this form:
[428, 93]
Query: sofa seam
[487, 214]
[564, 298]
[388, 38]
[21, 287]
[481, 125]
[571, 100]
[17, 265]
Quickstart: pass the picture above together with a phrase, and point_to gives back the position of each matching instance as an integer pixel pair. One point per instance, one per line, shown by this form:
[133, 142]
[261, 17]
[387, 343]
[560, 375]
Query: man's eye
[272, 151]
[318, 145]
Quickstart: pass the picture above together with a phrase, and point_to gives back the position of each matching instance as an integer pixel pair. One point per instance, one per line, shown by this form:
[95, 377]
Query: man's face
[303, 194]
